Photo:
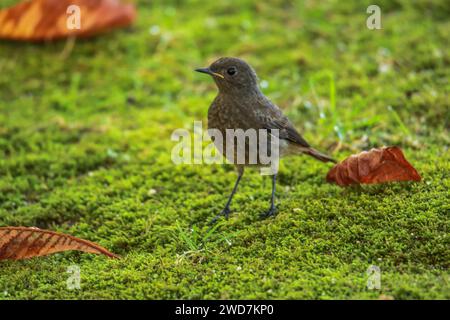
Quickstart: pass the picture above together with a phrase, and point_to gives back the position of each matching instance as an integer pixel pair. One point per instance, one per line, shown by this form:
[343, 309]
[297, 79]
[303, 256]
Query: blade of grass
[399, 120]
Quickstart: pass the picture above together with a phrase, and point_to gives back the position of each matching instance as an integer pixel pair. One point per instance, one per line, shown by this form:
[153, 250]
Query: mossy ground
[85, 149]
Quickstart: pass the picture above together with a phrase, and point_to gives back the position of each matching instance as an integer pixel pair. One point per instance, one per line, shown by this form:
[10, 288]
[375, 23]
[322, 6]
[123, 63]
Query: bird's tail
[319, 156]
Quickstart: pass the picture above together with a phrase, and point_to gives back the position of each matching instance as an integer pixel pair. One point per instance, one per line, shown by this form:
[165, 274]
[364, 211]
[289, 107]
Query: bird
[240, 104]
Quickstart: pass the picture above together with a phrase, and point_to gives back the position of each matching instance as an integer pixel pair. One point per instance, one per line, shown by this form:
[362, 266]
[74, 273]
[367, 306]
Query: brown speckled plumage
[240, 104]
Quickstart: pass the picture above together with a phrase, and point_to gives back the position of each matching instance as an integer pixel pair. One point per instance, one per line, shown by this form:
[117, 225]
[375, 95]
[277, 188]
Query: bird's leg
[226, 211]
[272, 210]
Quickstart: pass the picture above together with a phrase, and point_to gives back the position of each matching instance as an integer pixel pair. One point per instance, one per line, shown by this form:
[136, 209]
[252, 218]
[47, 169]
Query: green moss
[84, 139]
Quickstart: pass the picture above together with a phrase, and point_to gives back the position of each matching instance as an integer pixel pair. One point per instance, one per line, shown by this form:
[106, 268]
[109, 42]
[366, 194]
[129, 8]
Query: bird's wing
[271, 117]
[287, 131]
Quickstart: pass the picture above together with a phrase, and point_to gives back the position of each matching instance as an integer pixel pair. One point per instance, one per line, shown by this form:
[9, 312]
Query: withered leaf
[40, 20]
[379, 165]
[18, 243]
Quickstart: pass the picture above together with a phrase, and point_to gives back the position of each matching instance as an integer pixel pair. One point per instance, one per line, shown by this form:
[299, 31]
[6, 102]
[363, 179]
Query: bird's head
[232, 75]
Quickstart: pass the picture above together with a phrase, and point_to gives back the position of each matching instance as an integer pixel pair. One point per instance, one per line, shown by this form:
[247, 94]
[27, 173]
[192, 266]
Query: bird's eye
[232, 71]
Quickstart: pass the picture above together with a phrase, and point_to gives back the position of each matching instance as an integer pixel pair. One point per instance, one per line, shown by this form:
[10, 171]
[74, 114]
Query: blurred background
[319, 62]
[85, 141]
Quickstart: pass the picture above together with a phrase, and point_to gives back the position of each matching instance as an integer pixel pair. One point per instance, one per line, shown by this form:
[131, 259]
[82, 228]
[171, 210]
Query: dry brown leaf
[40, 20]
[375, 166]
[18, 243]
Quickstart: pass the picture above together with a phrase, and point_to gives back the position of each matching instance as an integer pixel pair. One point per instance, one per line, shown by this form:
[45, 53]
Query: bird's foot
[271, 212]
[225, 212]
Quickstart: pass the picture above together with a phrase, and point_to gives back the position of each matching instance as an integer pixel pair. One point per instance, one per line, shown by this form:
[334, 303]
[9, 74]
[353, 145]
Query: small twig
[68, 48]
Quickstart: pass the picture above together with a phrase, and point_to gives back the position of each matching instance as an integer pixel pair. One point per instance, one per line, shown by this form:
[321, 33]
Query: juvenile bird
[240, 104]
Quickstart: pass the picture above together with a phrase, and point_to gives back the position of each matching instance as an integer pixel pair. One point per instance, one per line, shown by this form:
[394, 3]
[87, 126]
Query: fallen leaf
[41, 20]
[375, 166]
[18, 243]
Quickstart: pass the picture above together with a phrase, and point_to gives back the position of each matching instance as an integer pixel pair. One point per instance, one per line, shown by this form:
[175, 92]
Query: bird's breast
[229, 114]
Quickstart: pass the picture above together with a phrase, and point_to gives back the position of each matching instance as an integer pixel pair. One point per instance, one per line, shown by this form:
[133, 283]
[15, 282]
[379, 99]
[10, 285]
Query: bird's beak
[208, 71]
